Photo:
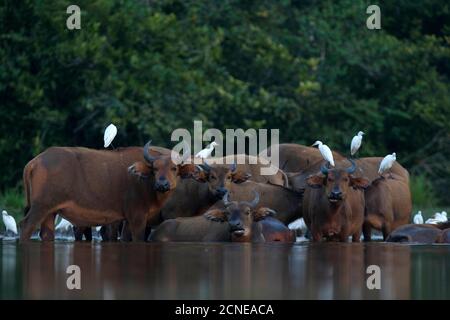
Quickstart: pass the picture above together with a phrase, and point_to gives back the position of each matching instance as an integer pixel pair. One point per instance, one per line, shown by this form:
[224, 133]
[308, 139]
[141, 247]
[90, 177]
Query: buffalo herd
[141, 194]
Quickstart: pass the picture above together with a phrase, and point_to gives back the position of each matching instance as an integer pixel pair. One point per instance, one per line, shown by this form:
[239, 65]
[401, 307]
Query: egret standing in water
[387, 162]
[356, 143]
[110, 134]
[325, 151]
[206, 153]
[9, 222]
[63, 225]
[418, 219]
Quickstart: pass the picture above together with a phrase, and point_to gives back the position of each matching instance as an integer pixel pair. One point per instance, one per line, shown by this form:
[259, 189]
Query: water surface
[37, 270]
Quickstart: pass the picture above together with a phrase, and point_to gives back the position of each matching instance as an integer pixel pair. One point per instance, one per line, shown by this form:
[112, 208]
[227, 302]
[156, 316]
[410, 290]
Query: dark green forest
[310, 68]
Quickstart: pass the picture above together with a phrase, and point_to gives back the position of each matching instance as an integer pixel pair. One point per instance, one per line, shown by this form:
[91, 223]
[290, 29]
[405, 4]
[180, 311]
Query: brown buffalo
[421, 233]
[91, 187]
[333, 203]
[388, 205]
[225, 224]
[296, 157]
[299, 162]
[209, 184]
[237, 222]
[266, 228]
[286, 202]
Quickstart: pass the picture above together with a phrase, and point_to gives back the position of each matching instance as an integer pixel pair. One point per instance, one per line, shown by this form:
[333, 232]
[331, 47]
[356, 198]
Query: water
[37, 270]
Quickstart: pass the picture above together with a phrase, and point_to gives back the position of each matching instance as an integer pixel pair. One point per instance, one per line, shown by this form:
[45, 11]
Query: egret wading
[110, 134]
[356, 143]
[9, 222]
[325, 151]
[206, 153]
[63, 225]
[387, 163]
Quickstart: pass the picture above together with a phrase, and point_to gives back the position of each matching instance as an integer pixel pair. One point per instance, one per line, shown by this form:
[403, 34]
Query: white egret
[9, 222]
[64, 225]
[325, 151]
[298, 224]
[387, 163]
[418, 219]
[444, 215]
[110, 134]
[356, 143]
[206, 153]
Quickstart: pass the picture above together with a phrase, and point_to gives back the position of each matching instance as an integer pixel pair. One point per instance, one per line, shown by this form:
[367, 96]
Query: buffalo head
[337, 181]
[162, 168]
[238, 215]
[218, 177]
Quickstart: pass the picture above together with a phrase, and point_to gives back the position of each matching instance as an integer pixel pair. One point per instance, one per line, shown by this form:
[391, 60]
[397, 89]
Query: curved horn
[205, 166]
[254, 201]
[352, 168]
[324, 168]
[233, 167]
[226, 200]
[147, 155]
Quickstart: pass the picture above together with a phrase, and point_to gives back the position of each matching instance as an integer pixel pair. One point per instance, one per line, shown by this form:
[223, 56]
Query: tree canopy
[310, 68]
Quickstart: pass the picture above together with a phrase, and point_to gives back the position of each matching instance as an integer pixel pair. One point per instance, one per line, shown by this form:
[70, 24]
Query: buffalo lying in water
[421, 233]
[237, 222]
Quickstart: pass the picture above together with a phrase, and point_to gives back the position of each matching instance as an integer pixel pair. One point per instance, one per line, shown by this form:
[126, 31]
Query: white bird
[356, 143]
[298, 224]
[64, 225]
[418, 219]
[440, 216]
[387, 162]
[9, 222]
[110, 134]
[325, 151]
[206, 153]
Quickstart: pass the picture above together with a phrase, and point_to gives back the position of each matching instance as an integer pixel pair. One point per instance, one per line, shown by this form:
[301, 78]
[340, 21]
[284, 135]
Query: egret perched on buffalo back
[387, 163]
[9, 222]
[206, 153]
[418, 219]
[325, 151]
[356, 143]
[110, 134]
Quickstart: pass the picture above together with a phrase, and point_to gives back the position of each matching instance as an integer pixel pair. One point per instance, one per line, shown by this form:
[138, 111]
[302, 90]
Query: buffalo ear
[140, 169]
[315, 181]
[200, 176]
[359, 183]
[217, 215]
[186, 170]
[263, 213]
[240, 176]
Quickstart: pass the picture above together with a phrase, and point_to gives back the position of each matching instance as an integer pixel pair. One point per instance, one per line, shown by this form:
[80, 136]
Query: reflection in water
[223, 271]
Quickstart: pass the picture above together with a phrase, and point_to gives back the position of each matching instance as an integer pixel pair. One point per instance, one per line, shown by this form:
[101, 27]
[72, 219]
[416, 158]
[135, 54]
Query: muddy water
[223, 271]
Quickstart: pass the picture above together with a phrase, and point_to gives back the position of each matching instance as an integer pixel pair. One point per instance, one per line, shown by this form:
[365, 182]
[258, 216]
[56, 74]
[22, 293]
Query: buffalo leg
[78, 233]
[356, 237]
[367, 230]
[88, 233]
[385, 229]
[126, 233]
[47, 232]
[35, 216]
[137, 228]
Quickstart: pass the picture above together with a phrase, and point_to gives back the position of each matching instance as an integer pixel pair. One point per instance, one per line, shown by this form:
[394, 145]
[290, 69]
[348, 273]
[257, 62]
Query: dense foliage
[310, 68]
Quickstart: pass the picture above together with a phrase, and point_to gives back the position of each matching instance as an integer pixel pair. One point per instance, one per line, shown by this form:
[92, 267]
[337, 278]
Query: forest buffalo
[388, 205]
[92, 187]
[333, 204]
